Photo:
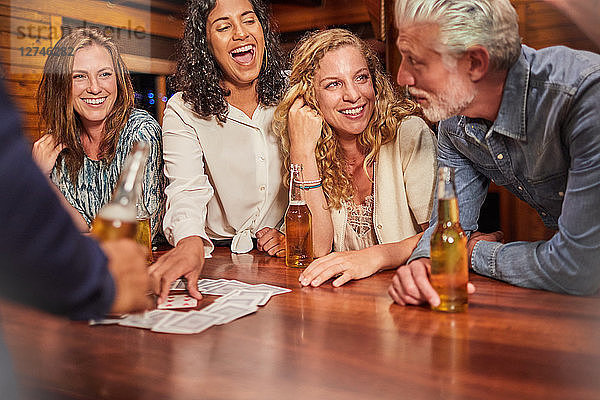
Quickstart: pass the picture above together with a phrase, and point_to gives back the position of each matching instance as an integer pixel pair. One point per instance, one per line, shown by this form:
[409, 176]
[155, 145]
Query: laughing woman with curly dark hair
[221, 156]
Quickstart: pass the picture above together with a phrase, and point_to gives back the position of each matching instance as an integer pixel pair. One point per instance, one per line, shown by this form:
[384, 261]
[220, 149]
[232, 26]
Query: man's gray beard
[450, 103]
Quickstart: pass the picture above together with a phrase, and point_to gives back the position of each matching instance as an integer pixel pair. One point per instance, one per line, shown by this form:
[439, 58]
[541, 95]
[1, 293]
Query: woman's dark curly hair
[199, 76]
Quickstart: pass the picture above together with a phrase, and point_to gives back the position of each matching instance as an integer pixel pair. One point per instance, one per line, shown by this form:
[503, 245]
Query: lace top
[360, 232]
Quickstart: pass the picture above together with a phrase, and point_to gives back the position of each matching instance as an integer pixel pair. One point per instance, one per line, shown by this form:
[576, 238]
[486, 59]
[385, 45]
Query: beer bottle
[144, 231]
[298, 224]
[117, 219]
[449, 263]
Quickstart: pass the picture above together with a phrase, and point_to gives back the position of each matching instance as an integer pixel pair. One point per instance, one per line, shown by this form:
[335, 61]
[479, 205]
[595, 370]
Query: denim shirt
[544, 147]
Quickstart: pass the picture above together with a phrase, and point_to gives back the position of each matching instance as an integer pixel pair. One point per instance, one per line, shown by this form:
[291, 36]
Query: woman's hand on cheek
[304, 127]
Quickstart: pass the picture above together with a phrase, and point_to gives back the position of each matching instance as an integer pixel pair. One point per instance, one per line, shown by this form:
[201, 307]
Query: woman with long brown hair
[221, 157]
[86, 102]
[369, 159]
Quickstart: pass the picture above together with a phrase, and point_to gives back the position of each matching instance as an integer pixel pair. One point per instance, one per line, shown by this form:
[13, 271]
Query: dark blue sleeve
[44, 261]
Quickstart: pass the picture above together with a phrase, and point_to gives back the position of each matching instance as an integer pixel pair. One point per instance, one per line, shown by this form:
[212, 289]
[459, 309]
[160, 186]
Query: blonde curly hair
[388, 113]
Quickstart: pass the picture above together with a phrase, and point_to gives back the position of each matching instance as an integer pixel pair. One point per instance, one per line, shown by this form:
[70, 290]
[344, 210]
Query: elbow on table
[583, 286]
[583, 278]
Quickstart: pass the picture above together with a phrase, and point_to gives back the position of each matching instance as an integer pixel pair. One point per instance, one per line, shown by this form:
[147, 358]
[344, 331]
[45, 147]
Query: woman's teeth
[94, 101]
[353, 111]
[241, 49]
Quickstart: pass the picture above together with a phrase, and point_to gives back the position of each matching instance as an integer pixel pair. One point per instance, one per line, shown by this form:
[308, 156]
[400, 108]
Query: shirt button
[261, 157]
[379, 226]
[544, 214]
[561, 194]
[500, 156]
[262, 188]
[520, 188]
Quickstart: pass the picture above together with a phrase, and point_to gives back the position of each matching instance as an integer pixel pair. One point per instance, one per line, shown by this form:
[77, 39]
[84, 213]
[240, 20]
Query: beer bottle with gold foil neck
[117, 219]
[298, 224]
[449, 263]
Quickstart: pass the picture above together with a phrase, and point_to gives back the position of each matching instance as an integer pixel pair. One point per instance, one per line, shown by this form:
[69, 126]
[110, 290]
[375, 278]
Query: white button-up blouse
[224, 179]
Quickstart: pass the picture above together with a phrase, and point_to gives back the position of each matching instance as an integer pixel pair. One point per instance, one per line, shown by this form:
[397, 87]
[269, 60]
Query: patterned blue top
[97, 180]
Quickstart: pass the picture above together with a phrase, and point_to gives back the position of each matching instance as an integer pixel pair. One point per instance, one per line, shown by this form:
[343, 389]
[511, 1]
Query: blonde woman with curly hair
[369, 161]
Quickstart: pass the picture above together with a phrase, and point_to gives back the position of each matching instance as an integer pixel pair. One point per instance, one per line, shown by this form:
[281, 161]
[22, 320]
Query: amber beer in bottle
[298, 224]
[449, 268]
[144, 231]
[117, 219]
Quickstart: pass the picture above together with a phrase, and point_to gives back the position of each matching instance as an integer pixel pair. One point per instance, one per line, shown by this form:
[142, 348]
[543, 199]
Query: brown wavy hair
[200, 77]
[55, 104]
[388, 112]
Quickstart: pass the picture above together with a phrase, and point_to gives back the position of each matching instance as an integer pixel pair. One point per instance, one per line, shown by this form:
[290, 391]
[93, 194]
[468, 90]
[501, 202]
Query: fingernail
[435, 302]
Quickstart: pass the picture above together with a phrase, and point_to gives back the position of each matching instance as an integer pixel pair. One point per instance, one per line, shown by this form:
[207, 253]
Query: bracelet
[307, 187]
[313, 182]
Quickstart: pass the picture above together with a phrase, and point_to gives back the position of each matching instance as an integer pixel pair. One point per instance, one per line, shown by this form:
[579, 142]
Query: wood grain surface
[323, 343]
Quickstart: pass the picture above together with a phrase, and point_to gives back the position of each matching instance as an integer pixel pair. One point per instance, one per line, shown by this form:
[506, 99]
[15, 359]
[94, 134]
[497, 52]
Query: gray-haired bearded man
[527, 120]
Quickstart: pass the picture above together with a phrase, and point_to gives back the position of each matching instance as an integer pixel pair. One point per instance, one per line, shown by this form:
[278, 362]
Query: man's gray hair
[465, 23]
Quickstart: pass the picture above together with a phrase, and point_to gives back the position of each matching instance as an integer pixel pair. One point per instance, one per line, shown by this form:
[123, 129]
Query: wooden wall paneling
[146, 65]
[376, 10]
[543, 25]
[37, 23]
[108, 13]
[21, 67]
[292, 18]
[161, 91]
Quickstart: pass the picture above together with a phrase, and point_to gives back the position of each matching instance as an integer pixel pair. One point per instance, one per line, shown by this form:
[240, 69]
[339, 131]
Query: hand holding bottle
[127, 265]
[411, 286]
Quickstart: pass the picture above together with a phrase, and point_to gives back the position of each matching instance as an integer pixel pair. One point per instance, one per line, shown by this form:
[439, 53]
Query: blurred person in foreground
[369, 157]
[221, 157]
[86, 101]
[525, 119]
[45, 262]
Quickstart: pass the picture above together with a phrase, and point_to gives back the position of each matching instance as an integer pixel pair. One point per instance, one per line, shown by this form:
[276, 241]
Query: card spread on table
[178, 301]
[237, 300]
[186, 323]
[228, 312]
[145, 320]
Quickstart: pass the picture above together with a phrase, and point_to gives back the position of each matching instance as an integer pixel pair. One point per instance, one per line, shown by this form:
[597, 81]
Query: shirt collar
[511, 119]
[238, 115]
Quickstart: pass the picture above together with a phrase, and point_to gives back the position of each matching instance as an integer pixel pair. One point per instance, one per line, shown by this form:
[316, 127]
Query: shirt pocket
[550, 191]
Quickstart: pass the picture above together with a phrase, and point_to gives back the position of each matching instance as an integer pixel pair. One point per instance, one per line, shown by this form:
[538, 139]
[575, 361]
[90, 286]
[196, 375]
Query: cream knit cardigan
[405, 173]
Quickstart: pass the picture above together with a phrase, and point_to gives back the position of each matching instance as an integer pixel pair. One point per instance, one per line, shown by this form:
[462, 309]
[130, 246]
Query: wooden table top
[323, 343]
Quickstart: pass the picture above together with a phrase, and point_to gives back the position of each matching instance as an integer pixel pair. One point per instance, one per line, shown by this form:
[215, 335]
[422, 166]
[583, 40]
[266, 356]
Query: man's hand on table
[411, 285]
[497, 236]
[186, 259]
[127, 265]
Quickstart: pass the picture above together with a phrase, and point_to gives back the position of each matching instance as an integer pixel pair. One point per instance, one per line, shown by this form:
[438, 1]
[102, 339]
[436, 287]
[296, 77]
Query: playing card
[186, 323]
[206, 282]
[145, 320]
[274, 289]
[178, 301]
[222, 288]
[228, 312]
[179, 284]
[106, 321]
[250, 297]
[208, 286]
